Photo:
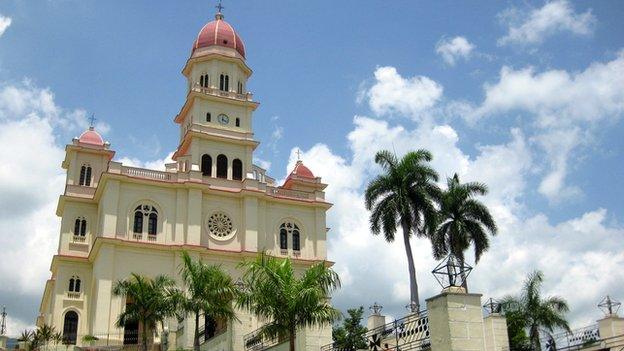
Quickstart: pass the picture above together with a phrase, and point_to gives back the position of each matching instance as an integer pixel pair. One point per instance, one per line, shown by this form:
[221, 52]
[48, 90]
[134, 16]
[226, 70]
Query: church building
[212, 202]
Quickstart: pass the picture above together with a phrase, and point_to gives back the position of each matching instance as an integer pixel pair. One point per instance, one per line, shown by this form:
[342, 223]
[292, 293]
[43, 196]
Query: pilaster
[495, 327]
[193, 220]
[109, 207]
[456, 322]
[250, 213]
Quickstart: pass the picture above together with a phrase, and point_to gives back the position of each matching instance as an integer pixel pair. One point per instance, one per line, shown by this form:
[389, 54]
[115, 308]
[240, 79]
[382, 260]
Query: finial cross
[92, 120]
[219, 7]
[298, 155]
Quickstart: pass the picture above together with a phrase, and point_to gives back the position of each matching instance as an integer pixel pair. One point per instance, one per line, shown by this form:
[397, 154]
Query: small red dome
[302, 171]
[91, 137]
[219, 32]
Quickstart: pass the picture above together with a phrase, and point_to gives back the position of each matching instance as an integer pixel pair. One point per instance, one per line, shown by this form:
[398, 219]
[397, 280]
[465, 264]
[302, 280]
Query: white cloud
[392, 94]
[453, 49]
[554, 17]
[30, 181]
[5, 22]
[158, 164]
[561, 105]
[377, 271]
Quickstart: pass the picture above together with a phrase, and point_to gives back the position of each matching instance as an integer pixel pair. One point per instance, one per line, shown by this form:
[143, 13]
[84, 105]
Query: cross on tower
[298, 155]
[219, 7]
[92, 120]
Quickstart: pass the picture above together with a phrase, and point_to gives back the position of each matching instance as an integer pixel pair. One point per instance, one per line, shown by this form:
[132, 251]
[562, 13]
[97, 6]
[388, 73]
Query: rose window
[220, 225]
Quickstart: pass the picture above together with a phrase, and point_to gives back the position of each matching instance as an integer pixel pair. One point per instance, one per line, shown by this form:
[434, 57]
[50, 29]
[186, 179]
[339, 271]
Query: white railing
[248, 96]
[137, 236]
[151, 238]
[74, 295]
[295, 194]
[145, 173]
[79, 239]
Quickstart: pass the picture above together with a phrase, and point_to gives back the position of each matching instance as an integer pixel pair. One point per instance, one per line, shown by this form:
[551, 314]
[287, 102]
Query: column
[456, 322]
[193, 218]
[250, 213]
[495, 327]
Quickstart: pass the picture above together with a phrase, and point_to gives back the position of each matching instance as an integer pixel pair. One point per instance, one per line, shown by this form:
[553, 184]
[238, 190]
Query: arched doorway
[70, 328]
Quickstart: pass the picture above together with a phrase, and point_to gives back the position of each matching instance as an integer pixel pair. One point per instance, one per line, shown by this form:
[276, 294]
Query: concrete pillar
[375, 320]
[456, 322]
[495, 327]
[3, 342]
[250, 208]
[611, 329]
[193, 219]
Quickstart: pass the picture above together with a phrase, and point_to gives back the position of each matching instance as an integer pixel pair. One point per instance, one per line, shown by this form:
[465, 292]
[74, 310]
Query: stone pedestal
[611, 327]
[495, 328]
[3, 342]
[456, 322]
[375, 320]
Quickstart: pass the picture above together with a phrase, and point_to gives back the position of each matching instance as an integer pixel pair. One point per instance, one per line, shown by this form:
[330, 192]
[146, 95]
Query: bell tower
[216, 134]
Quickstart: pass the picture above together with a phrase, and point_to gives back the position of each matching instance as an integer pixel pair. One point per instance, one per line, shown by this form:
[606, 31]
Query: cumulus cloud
[552, 18]
[5, 22]
[453, 49]
[158, 164]
[392, 94]
[565, 109]
[30, 181]
[377, 271]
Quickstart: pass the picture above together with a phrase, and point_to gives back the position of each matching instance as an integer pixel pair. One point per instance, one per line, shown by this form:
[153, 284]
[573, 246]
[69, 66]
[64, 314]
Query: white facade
[220, 213]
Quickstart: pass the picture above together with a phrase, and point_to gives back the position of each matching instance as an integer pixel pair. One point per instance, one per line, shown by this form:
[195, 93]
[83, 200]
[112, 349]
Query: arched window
[296, 239]
[222, 82]
[227, 83]
[239, 88]
[206, 81]
[222, 165]
[152, 219]
[286, 229]
[208, 117]
[138, 221]
[70, 328]
[283, 238]
[201, 81]
[152, 224]
[85, 175]
[80, 226]
[206, 165]
[74, 284]
[237, 169]
[238, 122]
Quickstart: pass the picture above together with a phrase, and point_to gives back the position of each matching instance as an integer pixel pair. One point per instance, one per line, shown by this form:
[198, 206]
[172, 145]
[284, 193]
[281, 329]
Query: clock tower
[216, 135]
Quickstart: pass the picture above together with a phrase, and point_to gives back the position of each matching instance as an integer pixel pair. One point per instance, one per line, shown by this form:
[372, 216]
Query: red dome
[302, 171]
[91, 137]
[219, 32]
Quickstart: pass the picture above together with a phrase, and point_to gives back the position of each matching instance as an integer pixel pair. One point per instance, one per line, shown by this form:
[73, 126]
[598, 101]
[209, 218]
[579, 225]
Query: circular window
[220, 226]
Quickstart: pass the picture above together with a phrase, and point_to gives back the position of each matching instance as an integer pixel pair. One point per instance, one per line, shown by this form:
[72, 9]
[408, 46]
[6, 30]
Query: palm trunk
[196, 337]
[291, 341]
[463, 273]
[535, 340]
[415, 301]
[144, 336]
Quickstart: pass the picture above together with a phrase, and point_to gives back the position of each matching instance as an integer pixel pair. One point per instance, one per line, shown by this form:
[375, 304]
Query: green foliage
[209, 290]
[89, 338]
[26, 335]
[529, 312]
[462, 220]
[152, 300]
[404, 194]
[274, 292]
[350, 335]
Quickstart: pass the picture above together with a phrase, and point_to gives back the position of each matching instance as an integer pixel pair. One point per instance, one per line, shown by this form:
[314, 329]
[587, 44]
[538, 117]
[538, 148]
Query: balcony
[146, 173]
[86, 192]
[151, 238]
[73, 295]
[79, 239]
[226, 94]
[294, 194]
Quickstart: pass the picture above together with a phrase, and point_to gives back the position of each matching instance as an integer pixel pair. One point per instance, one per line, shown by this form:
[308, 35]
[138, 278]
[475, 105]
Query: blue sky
[541, 80]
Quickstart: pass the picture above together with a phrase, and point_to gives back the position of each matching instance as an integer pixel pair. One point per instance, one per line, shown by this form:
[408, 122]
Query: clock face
[223, 119]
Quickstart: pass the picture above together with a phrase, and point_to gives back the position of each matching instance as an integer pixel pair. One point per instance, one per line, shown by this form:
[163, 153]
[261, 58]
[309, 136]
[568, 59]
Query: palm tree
[404, 195]
[57, 338]
[151, 301]
[274, 293]
[45, 334]
[462, 221]
[537, 314]
[209, 290]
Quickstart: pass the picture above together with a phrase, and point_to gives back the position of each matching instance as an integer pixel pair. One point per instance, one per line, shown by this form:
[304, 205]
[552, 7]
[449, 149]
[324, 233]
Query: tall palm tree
[462, 221]
[404, 195]
[151, 301]
[537, 314]
[209, 290]
[275, 293]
